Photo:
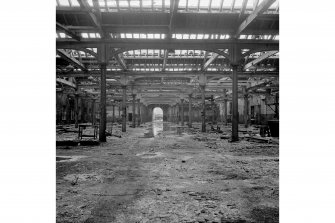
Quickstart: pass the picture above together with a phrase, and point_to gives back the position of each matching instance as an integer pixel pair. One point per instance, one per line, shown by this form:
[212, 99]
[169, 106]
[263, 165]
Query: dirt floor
[167, 174]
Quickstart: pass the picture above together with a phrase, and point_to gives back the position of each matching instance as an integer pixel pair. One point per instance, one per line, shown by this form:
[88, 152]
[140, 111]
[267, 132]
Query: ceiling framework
[166, 46]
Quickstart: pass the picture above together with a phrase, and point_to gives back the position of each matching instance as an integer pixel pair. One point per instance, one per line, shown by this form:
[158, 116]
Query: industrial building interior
[167, 111]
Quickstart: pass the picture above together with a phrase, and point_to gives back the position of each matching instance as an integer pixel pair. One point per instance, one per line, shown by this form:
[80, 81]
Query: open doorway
[157, 120]
[157, 114]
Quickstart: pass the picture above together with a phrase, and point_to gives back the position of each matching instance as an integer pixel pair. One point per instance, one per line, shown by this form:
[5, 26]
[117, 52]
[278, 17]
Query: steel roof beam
[96, 21]
[68, 83]
[259, 59]
[148, 74]
[244, 5]
[131, 44]
[259, 10]
[71, 59]
[67, 31]
[209, 61]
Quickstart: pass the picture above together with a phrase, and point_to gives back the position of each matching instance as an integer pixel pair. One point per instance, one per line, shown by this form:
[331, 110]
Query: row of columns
[235, 55]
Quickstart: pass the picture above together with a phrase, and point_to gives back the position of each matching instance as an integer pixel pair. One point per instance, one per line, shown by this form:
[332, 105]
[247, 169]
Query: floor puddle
[61, 158]
[68, 158]
[159, 127]
[149, 155]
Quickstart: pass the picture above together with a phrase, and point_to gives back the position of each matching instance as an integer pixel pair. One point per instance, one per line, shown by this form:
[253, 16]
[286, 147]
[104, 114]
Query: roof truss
[71, 59]
[260, 58]
[259, 10]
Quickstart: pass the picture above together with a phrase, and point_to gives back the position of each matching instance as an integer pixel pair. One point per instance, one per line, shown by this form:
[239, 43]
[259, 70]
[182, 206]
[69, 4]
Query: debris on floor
[191, 177]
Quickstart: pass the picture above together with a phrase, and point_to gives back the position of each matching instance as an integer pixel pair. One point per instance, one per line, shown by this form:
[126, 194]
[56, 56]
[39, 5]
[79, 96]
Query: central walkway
[157, 175]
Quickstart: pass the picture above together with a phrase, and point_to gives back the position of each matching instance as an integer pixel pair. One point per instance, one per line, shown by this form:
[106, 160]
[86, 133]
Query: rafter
[255, 4]
[119, 60]
[71, 59]
[259, 59]
[67, 31]
[209, 61]
[68, 83]
[131, 44]
[173, 11]
[232, 5]
[259, 10]
[166, 54]
[244, 5]
[89, 52]
[94, 18]
[245, 74]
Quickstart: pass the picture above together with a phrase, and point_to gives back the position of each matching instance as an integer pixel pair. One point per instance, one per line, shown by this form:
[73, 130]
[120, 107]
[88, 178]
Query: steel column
[246, 107]
[203, 115]
[113, 112]
[190, 111]
[138, 112]
[76, 112]
[225, 100]
[124, 108]
[102, 127]
[93, 111]
[134, 115]
[182, 111]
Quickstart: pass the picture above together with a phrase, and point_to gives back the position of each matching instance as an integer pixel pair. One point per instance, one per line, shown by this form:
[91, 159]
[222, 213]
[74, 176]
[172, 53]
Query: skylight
[135, 3]
[113, 3]
[84, 35]
[64, 2]
[157, 3]
[90, 2]
[216, 4]
[182, 4]
[146, 3]
[75, 3]
[199, 36]
[204, 4]
[140, 36]
[238, 4]
[63, 35]
[193, 3]
[227, 3]
[123, 3]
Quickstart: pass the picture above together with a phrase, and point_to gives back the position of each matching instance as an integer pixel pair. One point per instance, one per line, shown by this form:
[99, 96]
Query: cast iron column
[182, 111]
[138, 112]
[134, 115]
[190, 110]
[124, 108]
[203, 115]
[119, 110]
[235, 106]
[113, 112]
[246, 107]
[235, 53]
[213, 109]
[93, 111]
[225, 106]
[76, 112]
[102, 127]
